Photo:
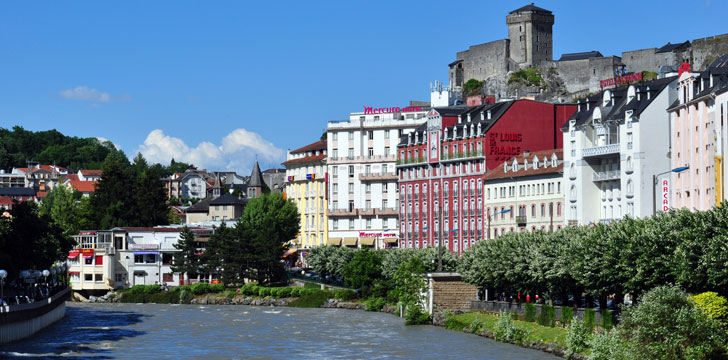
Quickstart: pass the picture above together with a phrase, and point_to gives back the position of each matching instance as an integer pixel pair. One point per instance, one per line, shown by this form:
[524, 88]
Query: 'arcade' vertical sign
[665, 195]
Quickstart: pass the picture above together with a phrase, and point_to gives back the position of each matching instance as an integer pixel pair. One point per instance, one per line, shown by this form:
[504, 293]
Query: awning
[333, 241]
[88, 255]
[74, 272]
[350, 241]
[366, 241]
[289, 252]
[146, 252]
[73, 254]
[390, 240]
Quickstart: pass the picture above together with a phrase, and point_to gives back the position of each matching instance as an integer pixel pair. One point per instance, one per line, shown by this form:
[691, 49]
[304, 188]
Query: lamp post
[654, 185]
[494, 214]
[3, 275]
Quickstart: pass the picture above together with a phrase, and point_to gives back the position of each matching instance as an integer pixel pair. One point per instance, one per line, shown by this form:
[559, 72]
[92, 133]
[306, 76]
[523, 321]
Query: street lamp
[3, 275]
[494, 214]
[654, 185]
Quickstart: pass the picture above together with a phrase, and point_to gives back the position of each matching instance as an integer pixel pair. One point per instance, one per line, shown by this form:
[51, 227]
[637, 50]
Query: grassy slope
[536, 332]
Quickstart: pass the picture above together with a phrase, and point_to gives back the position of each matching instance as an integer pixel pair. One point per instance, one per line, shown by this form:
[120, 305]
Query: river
[150, 331]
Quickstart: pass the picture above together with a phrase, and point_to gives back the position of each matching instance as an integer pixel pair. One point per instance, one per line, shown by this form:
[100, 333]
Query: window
[99, 260]
[573, 148]
[386, 134]
[334, 136]
[166, 258]
[629, 140]
[168, 277]
[369, 223]
[368, 188]
[351, 153]
[351, 135]
[151, 258]
[543, 210]
[75, 277]
[119, 277]
[139, 259]
[371, 135]
[370, 152]
[335, 189]
[88, 277]
[99, 277]
[88, 260]
[351, 171]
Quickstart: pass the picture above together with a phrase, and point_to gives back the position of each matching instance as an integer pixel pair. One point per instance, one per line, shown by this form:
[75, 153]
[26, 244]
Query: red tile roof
[91, 172]
[498, 172]
[319, 145]
[70, 177]
[40, 194]
[5, 200]
[304, 159]
[83, 186]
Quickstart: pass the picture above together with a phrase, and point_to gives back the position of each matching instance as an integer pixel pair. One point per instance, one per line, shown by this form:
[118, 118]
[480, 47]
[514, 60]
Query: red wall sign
[622, 79]
[371, 110]
[503, 146]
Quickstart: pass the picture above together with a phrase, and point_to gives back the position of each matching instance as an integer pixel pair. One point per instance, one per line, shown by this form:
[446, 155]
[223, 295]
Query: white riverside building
[613, 145]
[362, 184]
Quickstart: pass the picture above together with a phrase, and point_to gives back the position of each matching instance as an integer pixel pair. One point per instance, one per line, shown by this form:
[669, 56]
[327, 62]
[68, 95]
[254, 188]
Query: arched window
[630, 188]
[629, 168]
[572, 171]
[572, 192]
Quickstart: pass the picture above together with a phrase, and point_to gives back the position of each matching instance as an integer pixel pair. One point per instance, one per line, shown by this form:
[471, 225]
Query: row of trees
[630, 256]
[18, 145]
[252, 249]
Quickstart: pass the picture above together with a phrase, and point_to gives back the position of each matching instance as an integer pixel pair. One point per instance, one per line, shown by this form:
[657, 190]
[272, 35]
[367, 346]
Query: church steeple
[256, 185]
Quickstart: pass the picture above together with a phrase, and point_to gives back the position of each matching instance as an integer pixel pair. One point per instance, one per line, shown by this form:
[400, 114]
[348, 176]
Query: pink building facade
[698, 137]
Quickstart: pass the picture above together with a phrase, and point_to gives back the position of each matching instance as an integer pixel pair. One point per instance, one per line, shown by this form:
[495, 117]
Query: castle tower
[530, 35]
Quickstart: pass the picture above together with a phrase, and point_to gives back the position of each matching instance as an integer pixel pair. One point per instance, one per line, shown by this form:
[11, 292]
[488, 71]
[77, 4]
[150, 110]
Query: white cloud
[103, 140]
[237, 152]
[83, 93]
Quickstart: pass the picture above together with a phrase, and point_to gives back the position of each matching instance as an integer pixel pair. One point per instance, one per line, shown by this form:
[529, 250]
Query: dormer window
[535, 162]
[505, 167]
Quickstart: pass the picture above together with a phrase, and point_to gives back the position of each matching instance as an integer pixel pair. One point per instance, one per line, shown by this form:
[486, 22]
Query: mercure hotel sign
[372, 110]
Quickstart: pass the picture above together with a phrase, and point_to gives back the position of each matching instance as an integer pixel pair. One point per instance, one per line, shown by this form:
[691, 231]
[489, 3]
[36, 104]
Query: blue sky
[219, 83]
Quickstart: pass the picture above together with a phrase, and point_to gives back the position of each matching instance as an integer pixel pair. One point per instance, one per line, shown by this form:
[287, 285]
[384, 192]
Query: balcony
[366, 212]
[601, 150]
[362, 159]
[606, 175]
[386, 211]
[377, 177]
[411, 161]
[521, 220]
[342, 212]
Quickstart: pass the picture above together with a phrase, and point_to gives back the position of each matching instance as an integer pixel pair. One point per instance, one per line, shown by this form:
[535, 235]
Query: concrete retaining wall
[21, 321]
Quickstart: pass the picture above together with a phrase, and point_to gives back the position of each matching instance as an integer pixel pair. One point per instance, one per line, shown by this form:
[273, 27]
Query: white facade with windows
[613, 145]
[362, 198]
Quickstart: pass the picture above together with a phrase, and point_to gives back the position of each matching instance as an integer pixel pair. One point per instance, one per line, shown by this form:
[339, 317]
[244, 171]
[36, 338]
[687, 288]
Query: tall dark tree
[186, 261]
[268, 222]
[30, 241]
[150, 198]
[112, 200]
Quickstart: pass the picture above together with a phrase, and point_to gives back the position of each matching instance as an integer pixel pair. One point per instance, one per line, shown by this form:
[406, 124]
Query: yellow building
[306, 186]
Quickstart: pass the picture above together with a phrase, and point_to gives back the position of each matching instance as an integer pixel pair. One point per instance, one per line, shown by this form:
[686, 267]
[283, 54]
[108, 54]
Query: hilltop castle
[530, 44]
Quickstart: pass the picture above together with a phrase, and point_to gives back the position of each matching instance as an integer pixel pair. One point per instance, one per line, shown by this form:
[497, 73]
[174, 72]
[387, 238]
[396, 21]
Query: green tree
[62, 204]
[363, 270]
[472, 87]
[268, 222]
[186, 261]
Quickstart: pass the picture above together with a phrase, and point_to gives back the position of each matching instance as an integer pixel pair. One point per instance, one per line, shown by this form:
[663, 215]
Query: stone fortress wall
[530, 43]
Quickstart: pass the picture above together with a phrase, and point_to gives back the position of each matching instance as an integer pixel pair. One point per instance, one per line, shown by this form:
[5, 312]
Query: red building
[441, 165]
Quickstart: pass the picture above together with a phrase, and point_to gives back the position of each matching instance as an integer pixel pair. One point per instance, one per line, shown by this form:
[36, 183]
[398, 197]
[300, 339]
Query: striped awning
[391, 240]
[366, 241]
[350, 241]
[333, 241]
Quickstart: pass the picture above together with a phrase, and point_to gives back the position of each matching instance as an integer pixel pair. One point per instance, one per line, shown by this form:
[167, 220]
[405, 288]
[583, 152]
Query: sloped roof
[16, 191]
[319, 145]
[256, 178]
[530, 7]
[227, 199]
[580, 55]
[304, 159]
[673, 47]
[200, 206]
[90, 172]
[83, 186]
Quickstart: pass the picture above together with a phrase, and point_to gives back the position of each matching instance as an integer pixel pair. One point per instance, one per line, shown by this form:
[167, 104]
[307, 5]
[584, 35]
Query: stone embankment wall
[447, 292]
[23, 320]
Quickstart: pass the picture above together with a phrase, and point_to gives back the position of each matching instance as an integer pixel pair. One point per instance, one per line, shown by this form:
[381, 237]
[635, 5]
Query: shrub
[567, 312]
[415, 316]
[249, 289]
[578, 336]
[668, 325]
[229, 294]
[345, 294]
[375, 304]
[216, 288]
[590, 319]
[309, 285]
[284, 292]
[200, 288]
[476, 326]
[547, 317]
[514, 315]
[296, 291]
[530, 312]
[263, 291]
[505, 330]
[712, 305]
[312, 300]
[185, 296]
[606, 345]
[143, 289]
[606, 322]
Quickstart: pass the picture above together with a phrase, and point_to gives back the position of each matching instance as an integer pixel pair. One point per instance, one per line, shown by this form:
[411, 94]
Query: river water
[150, 331]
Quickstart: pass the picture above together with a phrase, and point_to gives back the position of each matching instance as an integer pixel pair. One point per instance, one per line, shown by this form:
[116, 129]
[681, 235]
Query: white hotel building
[362, 186]
[613, 145]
